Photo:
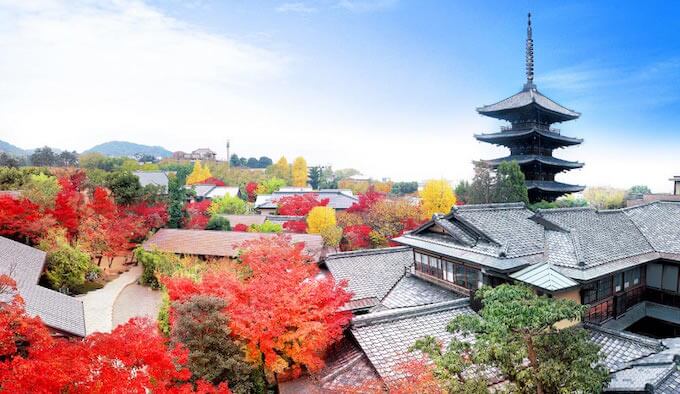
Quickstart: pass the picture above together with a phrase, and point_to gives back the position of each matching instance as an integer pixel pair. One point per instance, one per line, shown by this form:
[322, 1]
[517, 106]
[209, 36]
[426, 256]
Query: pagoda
[530, 137]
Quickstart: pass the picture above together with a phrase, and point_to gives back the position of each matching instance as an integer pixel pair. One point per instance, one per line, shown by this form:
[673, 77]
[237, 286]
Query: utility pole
[228, 155]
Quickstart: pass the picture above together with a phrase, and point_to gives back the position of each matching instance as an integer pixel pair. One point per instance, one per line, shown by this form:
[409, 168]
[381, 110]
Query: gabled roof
[496, 235]
[506, 136]
[546, 160]
[214, 191]
[222, 243]
[386, 336]
[544, 276]
[25, 264]
[528, 98]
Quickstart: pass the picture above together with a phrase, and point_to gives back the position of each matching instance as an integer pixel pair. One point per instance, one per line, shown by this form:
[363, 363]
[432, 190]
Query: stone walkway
[98, 304]
[136, 301]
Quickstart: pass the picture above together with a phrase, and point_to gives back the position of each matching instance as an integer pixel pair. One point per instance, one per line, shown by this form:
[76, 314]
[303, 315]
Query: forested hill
[124, 148]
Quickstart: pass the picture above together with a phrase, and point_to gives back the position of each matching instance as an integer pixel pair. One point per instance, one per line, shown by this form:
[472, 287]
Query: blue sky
[386, 86]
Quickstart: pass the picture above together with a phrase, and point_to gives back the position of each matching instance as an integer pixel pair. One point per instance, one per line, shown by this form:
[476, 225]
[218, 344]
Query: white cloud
[297, 7]
[76, 74]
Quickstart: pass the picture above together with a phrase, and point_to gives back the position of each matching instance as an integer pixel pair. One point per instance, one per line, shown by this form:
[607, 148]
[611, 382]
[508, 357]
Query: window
[618, 282]
[604, 288]
[669, 280]
[472, 277]
[631, 277]
[601, 312]
[460, 275]
[589, 293]
[654, 274]
[449, 271]
[457, 273]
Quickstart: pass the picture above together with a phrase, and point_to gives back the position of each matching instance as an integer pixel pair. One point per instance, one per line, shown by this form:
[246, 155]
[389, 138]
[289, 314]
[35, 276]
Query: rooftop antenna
[529, 56]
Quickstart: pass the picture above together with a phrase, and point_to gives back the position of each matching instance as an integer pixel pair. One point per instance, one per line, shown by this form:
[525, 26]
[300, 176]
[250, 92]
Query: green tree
[7, 160]
[509, 183]
[231, 205]
[315, 177]
[125, 187]
[639, 189]
[177, 197]
[44, 157]
[234, 161]
[400, 188]
[67, 265]
[67, 159]
[462, 191]
[202, 327]
[482, 186]
[218, 223]
[269, 186]
[516, 332]
[41, 189]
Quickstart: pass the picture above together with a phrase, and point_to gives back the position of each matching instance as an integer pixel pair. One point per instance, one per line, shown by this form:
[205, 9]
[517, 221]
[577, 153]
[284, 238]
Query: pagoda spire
[529, 56]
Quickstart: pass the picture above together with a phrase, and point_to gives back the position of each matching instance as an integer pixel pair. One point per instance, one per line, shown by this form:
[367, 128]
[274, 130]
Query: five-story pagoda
[530, 137]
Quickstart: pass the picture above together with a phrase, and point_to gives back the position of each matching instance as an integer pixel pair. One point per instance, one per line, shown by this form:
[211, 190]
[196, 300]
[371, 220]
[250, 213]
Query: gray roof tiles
[497, 138]
[413, 291]
[659, 222]
[370, 273]
[544, 276]
[158, 178]
[24, 264]
[528, 97]
[385, 337]
[547, 160]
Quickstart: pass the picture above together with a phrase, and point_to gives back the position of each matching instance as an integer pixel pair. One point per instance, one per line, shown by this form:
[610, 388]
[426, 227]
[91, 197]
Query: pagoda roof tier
[526, 159]
[508, 137]
[554, 187]
[529, 104]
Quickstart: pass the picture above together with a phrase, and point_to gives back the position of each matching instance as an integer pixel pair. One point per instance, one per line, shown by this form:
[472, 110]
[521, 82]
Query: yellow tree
[198, 174]
[281, 169]
[320, 219]
[299, 172]
[437, 197]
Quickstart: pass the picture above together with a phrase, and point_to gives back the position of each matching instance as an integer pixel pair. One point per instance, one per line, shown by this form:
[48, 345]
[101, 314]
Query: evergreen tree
[481, 189]
[509, 183]
[315, 177]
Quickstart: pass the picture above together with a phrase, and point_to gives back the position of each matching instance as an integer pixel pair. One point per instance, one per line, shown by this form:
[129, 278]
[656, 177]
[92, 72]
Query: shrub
[218, 223]
[240, 227]
[67, 265]
[156, 264]
[266, 227]
[229, 205]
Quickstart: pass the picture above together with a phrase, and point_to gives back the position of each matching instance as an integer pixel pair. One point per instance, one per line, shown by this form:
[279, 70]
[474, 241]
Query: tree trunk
[533, 361]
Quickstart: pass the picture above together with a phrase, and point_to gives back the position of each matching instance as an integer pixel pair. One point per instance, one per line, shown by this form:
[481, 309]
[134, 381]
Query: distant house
[199, 154]
[212, 244]
[204, 191]
[62, 314]
[248, 220]
[339, 199]
[639, 199]
[156, 178]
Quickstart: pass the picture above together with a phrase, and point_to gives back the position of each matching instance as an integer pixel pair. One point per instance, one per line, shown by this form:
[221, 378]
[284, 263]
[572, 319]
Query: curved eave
[524, 100]
[555, 187]
[545, 160]
[507, 137]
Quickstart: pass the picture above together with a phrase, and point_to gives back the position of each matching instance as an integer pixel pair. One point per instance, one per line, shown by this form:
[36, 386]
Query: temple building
[530, 137]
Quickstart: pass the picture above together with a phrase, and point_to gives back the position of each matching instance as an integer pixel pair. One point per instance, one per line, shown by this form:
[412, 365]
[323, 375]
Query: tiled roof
[214, 191]
[386, 336]
[24, 264]
[159, 178]
[546, 160]
[659, 222]
[222, 243]
[599, 236]
[497, 138]
[552, 186]
[245, 219]
[619, 348]
[413, 291]
[284, 218]
[529, 97]
[544, 276]
[370, 273]
[346, 367]
[338, 199]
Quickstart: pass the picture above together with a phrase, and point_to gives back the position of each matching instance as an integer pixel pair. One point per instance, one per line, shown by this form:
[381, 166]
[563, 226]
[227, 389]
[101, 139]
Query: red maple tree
[366, 200]
[284, 313]
[198, 214]
[22, 220]
[295, 226]
[251, 191]
[357, 237]
[299, 204]
[240, 227]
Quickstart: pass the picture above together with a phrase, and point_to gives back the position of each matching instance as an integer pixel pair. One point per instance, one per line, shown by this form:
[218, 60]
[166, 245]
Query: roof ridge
[641, 339]
[500, 205]
[566, 209]
[367, 252]
[407, 312]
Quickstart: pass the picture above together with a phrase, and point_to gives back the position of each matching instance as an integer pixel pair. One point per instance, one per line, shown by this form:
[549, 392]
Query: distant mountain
[11, 149]
[124, 148]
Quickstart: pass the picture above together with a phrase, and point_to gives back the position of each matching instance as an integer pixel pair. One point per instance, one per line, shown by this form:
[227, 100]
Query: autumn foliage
[299, 204]
[276, 306]
[134, 358]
